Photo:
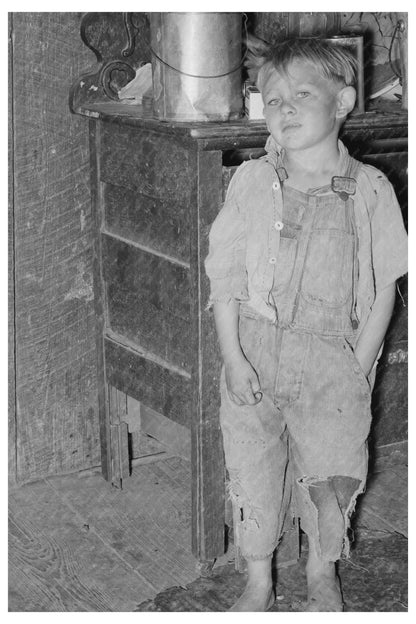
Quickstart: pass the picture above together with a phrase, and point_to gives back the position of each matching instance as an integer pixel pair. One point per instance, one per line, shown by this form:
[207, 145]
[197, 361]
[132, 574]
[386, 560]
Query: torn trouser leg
[328, 428]
[325, 507]
[258, 520]
[256, 454]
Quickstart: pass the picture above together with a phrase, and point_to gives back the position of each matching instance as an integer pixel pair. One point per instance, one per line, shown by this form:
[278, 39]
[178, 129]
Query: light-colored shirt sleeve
[225, 264]
[389, 237]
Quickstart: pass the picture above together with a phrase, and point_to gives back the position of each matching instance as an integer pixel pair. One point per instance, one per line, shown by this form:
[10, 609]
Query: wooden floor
[77, 544]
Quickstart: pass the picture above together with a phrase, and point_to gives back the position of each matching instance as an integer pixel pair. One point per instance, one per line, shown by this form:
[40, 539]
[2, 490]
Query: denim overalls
[302, 450]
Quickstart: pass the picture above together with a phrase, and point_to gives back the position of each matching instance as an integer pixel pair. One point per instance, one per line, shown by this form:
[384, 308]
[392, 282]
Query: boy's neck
[312, 162]
[311, 168]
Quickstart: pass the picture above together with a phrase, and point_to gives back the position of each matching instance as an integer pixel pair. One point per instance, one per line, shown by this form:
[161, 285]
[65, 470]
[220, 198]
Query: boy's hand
[242, 382]
[241, 378]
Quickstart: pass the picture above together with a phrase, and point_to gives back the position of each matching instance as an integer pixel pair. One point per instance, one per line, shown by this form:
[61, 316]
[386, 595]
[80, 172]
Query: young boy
[303, 261]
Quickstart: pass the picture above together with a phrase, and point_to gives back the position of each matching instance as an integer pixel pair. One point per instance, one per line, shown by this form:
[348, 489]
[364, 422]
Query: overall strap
[352, 171]
[346, 185]
[353, 167]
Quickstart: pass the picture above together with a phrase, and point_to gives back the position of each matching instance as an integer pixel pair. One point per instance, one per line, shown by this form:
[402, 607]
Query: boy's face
[301, 107]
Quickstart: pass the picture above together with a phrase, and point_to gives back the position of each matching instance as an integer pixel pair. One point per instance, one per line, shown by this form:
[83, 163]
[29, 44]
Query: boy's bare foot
[258, 594]
[324, 592]
[255, 597]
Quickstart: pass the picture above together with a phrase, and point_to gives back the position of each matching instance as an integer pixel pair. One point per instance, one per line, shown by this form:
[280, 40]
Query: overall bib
[302, 452]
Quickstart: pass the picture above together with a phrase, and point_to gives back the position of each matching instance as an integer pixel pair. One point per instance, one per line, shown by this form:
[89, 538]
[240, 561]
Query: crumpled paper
[139, 88]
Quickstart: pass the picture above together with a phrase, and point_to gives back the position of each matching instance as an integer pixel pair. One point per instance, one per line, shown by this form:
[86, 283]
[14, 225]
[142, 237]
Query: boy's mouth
[290, 126]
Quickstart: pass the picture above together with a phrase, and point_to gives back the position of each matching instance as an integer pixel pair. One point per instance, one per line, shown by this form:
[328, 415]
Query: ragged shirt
[245, 237]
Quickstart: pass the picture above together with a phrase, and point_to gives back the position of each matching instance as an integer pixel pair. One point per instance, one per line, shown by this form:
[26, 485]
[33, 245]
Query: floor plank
[58, 563]
[148, 522]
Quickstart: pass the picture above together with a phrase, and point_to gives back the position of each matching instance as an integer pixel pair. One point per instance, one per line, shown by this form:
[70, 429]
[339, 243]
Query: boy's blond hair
[334, 62]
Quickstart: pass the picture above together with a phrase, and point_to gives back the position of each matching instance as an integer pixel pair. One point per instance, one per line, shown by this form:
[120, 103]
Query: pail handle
[231, 71]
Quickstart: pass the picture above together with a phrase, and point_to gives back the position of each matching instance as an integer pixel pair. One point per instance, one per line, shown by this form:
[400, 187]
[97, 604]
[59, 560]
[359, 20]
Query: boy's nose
[287, 107]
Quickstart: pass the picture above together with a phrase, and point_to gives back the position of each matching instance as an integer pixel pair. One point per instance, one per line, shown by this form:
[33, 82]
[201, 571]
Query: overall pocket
[285, 264]
[328, 274]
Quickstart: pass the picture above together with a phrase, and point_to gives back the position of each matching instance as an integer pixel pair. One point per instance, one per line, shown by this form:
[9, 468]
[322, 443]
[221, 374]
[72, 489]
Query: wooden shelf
[253, 133]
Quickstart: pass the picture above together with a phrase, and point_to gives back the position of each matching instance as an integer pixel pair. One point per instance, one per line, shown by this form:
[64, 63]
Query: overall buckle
[282, 174]
[344, 187]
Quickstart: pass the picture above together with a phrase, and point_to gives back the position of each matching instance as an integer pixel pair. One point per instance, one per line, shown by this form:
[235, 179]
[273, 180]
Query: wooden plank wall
[56, 415]
[10, 301]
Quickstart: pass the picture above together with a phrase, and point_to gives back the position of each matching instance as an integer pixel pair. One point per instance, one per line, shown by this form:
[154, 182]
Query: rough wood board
[154, 383]
[148, 522]
[59, 561]
[11, 275]
[174, 437]
[161, 224]
[389, 456]
[384, 506]
[376, 123]
[390, 404]
[57, 416]
[208, 491]
[143, 446]
[148, 301]
[148, 162]
[99, 301]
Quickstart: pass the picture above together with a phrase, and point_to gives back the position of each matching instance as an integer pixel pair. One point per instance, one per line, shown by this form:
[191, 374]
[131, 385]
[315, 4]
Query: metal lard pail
[197, 66]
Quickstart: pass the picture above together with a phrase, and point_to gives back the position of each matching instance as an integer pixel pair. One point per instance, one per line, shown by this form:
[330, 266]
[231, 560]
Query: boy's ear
[345, 101]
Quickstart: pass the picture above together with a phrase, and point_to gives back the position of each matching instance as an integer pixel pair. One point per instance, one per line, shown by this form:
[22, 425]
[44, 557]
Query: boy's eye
[274, 102]
[303, 94]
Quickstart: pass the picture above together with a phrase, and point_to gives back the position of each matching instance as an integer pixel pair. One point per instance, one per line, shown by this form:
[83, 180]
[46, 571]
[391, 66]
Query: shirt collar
[274, 153]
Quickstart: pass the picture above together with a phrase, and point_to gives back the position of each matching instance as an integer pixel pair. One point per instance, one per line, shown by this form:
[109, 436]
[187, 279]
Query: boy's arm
[372, 335]
[241, 378]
